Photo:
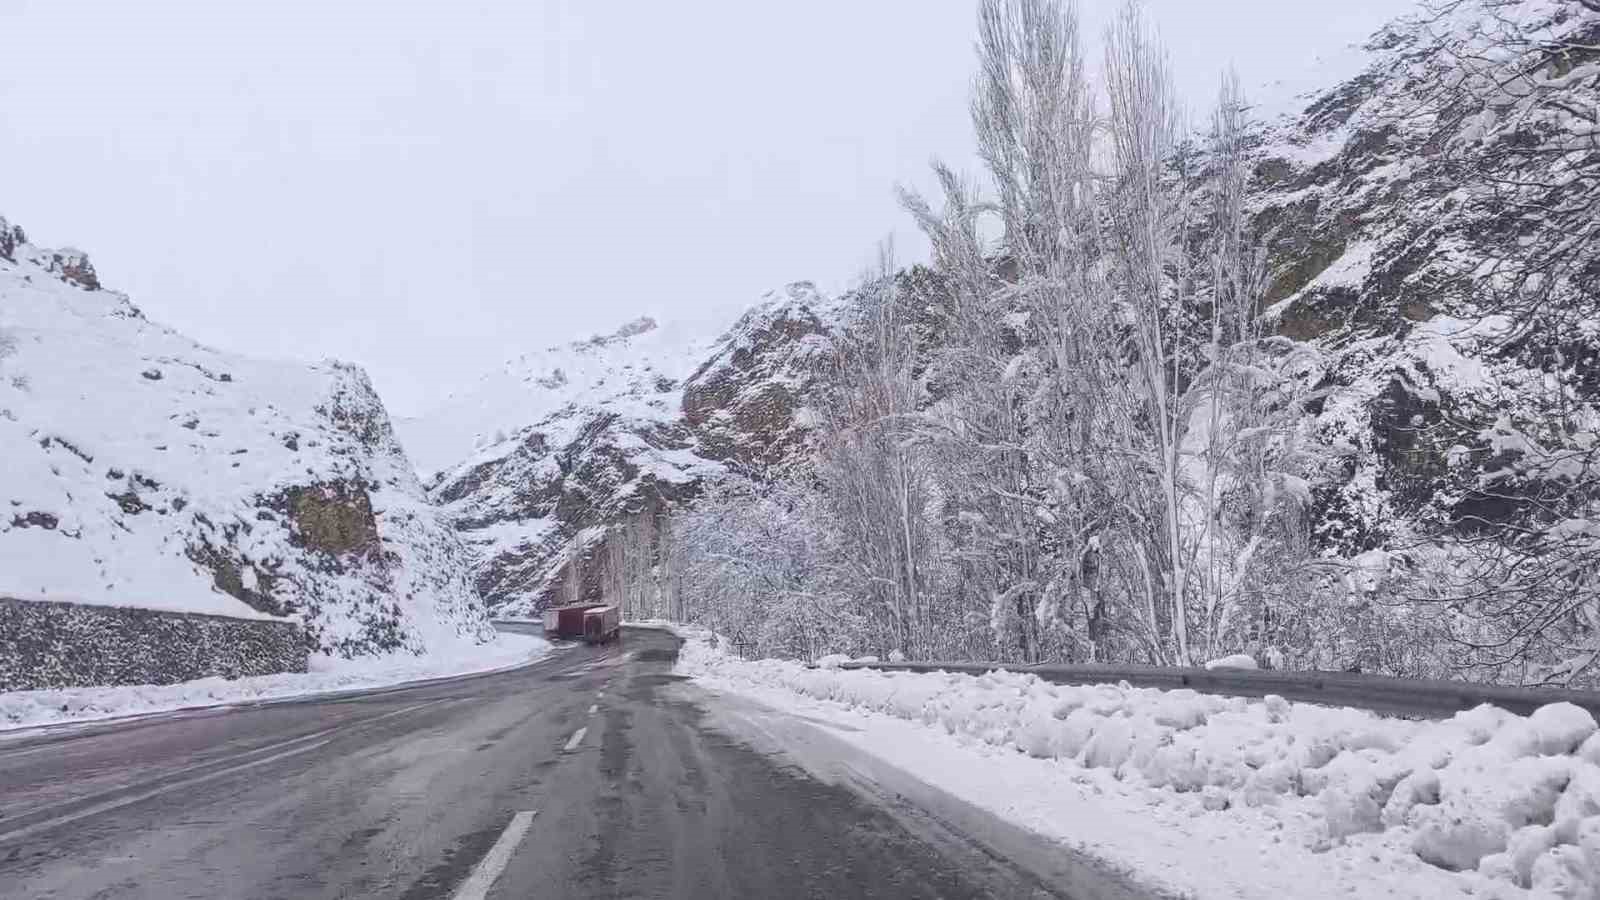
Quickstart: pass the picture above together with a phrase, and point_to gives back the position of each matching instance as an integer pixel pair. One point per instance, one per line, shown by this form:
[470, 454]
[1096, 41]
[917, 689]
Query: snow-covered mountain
[634, 371]
[141, 469]
[556, 447]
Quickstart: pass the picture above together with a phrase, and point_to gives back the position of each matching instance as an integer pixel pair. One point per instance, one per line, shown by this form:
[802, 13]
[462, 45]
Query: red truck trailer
[591, 622]
[601, 624]
[567, 621]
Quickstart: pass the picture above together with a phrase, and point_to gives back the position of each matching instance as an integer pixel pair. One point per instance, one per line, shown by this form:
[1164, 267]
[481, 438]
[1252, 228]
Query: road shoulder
[960, 829]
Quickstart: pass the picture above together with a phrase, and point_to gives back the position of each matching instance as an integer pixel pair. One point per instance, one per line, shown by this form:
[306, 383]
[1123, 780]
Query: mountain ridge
[620, 426]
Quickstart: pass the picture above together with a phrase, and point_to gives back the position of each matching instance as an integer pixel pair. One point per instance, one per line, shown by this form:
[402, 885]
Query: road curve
[595, 773]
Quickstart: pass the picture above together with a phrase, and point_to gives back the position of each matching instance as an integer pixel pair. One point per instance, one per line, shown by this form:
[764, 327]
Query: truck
[602, 624]
[593, 623]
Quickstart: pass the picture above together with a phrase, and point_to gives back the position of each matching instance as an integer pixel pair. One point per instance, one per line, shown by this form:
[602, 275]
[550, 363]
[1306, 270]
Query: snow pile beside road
[1487, 801]
[1236, 661]
[27, 709]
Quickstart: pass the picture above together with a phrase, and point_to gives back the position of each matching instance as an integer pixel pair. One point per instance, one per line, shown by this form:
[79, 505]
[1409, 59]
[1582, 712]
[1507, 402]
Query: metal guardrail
[1429, 698]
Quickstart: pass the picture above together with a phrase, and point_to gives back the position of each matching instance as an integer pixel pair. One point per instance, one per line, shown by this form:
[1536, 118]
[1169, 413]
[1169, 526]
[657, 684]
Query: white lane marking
[577, 738]
[495, 861]
[600, 696]
[593, 707]
[170, 786]
[164, 789]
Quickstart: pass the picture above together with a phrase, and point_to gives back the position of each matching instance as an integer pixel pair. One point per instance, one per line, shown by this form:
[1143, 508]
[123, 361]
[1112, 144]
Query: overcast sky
[428, 188]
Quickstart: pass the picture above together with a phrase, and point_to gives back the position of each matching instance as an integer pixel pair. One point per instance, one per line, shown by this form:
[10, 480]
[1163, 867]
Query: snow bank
[1486, 801]
[26, 709]
[1236, 661]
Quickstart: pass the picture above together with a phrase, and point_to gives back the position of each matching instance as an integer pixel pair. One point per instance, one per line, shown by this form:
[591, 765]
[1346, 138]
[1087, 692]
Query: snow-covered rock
[542, 459]
[1398, 214]
[634, 372]
[746, 401]
[139, 468]
[1384, 259]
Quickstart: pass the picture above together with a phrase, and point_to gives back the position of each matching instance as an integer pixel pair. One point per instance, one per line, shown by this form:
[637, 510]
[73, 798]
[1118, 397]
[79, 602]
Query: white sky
[428, 188]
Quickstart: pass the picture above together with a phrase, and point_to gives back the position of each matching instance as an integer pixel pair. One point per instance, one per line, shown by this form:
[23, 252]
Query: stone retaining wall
[48, 644]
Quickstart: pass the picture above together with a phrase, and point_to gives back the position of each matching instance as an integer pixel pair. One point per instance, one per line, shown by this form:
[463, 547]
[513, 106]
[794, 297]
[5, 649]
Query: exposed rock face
[537, 515]
[1385, 257]
[145, 470]
[333, 519]
[626, 426]
[10, 237]
[745, 401]
[67, 264]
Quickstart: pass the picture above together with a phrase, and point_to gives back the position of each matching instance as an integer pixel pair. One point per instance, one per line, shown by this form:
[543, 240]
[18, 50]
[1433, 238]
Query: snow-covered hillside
[1425, 220]
[635, 371]
[551, 451]
[139, 468]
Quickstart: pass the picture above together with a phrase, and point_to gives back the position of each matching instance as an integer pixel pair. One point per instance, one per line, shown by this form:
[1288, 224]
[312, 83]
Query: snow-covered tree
[1512, 100]
[1082, 433]
[876, 484]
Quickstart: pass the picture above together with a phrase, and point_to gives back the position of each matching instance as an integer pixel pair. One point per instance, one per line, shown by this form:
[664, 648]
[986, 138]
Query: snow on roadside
[1236, 661]
[27, 709]
[1226, 797]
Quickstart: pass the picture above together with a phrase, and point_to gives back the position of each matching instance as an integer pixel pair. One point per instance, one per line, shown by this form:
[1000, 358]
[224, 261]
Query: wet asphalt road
[430, 790]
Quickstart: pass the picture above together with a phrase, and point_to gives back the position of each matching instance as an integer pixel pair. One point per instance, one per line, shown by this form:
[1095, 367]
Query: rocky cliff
[567, 443]
[1412, 217]
[142, 469]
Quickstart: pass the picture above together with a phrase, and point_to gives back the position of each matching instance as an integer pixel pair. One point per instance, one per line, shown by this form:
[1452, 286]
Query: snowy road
[593, 773]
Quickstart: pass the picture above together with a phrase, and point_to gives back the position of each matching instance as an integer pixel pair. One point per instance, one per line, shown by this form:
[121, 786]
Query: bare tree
[1033, 119]
[755, 563]
[875, 481]
[1107, 360]
[1149, 216]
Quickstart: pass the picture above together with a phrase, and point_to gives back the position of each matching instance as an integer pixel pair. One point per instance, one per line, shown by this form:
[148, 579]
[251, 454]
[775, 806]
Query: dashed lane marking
[577, 738]
[499, 856]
